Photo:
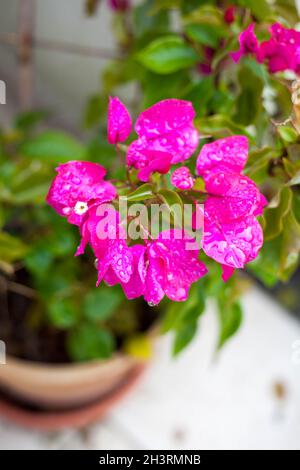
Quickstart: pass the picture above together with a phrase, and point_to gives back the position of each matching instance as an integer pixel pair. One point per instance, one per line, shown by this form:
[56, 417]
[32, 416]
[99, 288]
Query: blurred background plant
[166, 49]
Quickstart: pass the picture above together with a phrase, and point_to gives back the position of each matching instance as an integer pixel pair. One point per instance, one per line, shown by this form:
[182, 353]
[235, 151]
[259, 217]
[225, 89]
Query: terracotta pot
[77, 417]
[64, 386]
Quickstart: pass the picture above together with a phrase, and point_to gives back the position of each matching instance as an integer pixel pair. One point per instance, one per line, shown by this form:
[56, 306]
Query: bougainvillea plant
[212, 88]
[237, 63]
[165, 264]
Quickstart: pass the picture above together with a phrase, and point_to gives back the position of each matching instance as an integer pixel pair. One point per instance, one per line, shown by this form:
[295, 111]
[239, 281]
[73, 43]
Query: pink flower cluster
[280, 52]
[232, 235]
[165, 265]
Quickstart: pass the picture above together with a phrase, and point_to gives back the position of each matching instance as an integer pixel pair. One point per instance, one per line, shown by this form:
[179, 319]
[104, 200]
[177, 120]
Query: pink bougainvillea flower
[166, 127]
[248, 44]
[135, 287]
[118, 122]
[173, 267]
[165, 266]
[148, 161]
[233, 244]
[229, 14]
[182, 178]
[101, 229]
[228, 154]
[233, 201]
[76, 187]
[227, 272]
[277, 56]
[282, 50]
[232, 196]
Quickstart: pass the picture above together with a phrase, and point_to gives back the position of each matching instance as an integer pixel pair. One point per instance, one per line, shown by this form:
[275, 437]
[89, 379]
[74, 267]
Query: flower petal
[168, 127]
[179, 266]
[77, 185]
[228, 154]
[231, 196]
[233, 244]
[119, 121]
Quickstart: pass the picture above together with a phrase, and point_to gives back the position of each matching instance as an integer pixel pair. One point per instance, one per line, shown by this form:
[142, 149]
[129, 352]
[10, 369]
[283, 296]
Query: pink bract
[102, 230]
[232, 196]
[228, 154]
[227, 272]
[233, 201]
[148, 161]
[173, 267]
[248, 44]
[166, 127]
[165, 266]
[76, 187]
[233, 244]
[182, 178]
[282, 50]
[119, 121]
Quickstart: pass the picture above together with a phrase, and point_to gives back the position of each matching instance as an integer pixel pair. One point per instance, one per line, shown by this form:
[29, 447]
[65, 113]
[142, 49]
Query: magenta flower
[101, 229]
[182, 178]
[148, 161]
[233, 244]
[135, 287]
[165, 266]
[77, 186]
[166, 127]
[119, 121]
[229, 154]
[232, 236]
[282, 50]
[248, 44]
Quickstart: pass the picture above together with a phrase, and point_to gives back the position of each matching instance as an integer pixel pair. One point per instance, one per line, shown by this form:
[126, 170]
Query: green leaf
[220, 126]
[11, 248]
[101, 303]
[168, 54]
[174, 204]
[230, 320]
[30, 119]
[88, 342]
[183, 337]
[249, 102]
[53, 147]
[258, 163]
[260, 9]
[290, 248]
[63, 313]
[288, 134]
[275, 215]
[148, 19]
[206, 34]
[143, 192]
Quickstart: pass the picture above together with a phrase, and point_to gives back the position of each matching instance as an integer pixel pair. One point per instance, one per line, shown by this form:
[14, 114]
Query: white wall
[63, 81]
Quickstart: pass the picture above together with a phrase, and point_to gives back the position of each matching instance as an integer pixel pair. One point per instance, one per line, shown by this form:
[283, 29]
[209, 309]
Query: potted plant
[216, 121]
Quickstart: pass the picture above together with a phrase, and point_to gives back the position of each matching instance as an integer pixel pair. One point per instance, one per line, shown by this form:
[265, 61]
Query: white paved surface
[200, 400]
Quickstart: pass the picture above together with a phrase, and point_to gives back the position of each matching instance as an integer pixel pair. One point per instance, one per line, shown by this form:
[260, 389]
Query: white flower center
[80, 207]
